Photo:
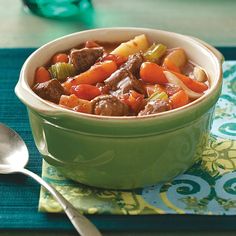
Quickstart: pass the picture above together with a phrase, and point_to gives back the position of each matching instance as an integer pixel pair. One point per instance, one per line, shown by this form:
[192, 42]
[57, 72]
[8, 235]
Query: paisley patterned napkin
[208, 187]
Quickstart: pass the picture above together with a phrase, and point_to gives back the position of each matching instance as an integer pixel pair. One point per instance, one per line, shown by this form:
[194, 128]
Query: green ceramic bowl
[121, 152]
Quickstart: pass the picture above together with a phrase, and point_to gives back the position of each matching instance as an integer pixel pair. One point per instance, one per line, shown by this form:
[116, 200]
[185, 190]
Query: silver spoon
[14, 157]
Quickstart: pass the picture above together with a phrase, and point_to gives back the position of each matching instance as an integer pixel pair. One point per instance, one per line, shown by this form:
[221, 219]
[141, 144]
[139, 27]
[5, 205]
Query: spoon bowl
[14, 157]
[13, 151]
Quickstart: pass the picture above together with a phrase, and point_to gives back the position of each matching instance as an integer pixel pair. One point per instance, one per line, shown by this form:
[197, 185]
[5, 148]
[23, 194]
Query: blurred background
[210, 20]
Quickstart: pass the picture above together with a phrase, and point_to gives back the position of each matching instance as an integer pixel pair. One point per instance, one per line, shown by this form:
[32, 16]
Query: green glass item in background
[57, 8]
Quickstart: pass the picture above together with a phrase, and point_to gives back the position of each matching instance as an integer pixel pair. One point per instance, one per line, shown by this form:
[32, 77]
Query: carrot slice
[60, 57]
[75, 103]
[69, 101]
[152, 73]
[86, 91]
[134, 100]
[42, 75]
[194, 85]
[179, 99]
[96, 74]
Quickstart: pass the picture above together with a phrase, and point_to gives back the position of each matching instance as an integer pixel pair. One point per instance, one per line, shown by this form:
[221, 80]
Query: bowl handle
[26, 96]
[217, 53]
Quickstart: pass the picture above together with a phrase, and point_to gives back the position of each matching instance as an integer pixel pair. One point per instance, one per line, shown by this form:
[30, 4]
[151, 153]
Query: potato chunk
[199, 74]
[139, 43]
[178, 57]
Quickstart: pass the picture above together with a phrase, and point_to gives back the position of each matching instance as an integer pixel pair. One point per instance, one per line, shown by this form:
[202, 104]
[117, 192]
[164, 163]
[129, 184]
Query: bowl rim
[23, 90]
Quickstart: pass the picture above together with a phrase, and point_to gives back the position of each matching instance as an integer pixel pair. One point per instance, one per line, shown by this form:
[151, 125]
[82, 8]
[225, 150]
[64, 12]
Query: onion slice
[175, 80]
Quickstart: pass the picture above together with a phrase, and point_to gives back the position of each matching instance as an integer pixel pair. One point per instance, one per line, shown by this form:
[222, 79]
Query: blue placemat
[19, 195]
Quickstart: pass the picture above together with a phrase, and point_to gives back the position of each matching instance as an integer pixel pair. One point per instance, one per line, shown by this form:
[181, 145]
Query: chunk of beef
[108, 105]
[50, 90]
[84, 58]
[154, 107]
[129, 83]
[115, 78]
[132, 66]
[134, 63]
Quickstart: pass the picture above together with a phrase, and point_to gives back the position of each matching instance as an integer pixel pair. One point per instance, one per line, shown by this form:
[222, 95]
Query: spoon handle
[80, 222]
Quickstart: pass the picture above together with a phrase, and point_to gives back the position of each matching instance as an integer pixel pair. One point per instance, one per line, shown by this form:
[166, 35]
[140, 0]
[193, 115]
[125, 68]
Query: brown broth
[108, 47]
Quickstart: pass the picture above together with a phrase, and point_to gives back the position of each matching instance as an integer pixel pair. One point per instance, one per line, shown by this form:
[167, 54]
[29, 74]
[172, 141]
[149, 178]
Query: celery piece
[155, 52]
[62, 70]
[151, 48]
[158, 95]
